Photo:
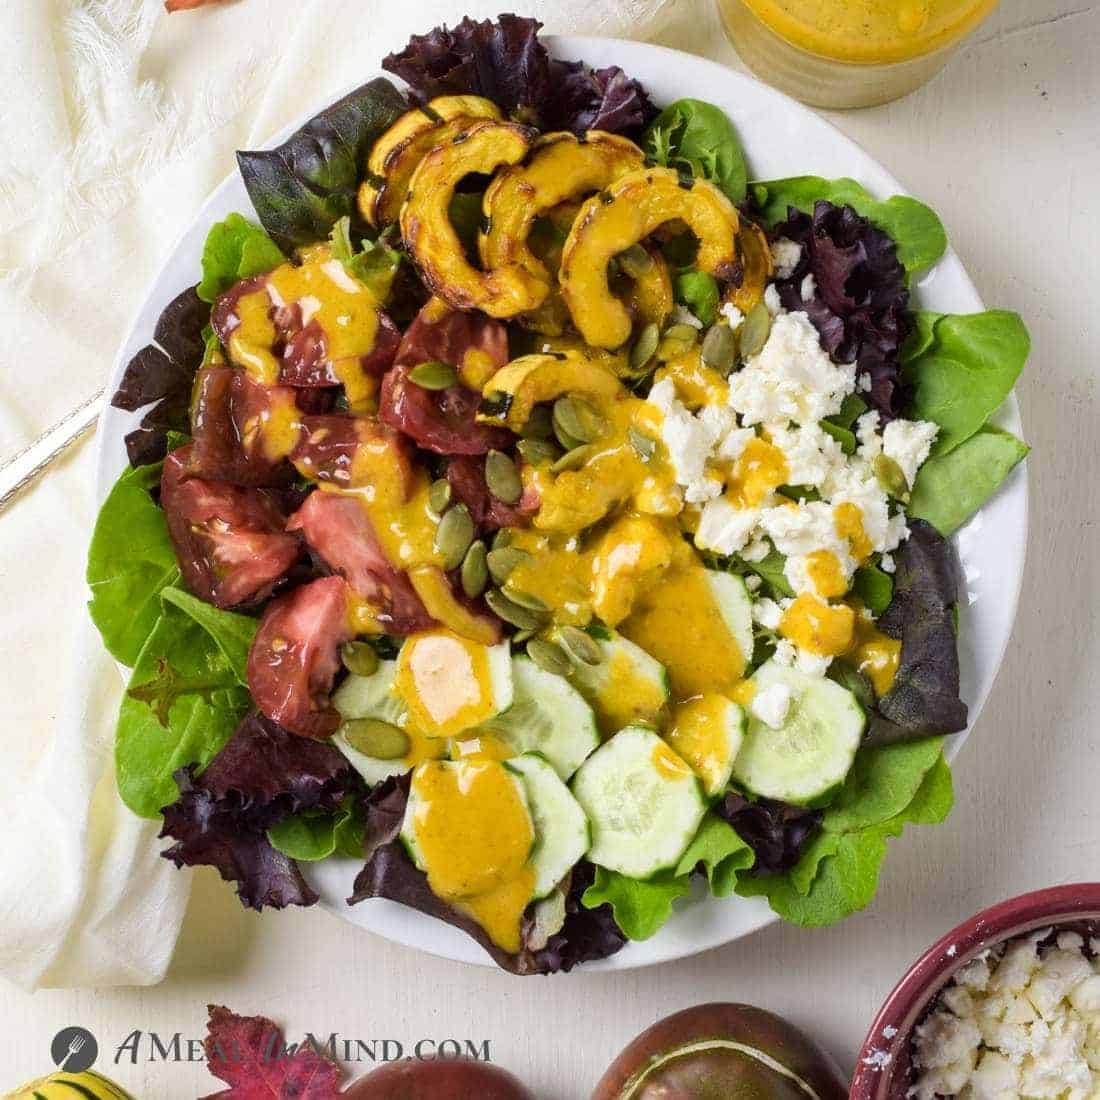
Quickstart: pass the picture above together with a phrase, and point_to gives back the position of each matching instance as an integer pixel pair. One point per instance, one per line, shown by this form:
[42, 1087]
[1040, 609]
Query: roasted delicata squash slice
[756, 264]
[431, 238]
[623, 215]
[561, 167]
[395, 155]
[514, 390]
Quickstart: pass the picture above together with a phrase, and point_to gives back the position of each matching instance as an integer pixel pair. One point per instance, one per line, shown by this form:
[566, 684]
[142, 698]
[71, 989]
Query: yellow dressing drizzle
[760, 469]
[667, 764]
[699, 735]
[848, 520]
[875, 654]
[818, 627]
[445, 682]
[696, 383]
[627, 697]
[823, 568]
[474, 836]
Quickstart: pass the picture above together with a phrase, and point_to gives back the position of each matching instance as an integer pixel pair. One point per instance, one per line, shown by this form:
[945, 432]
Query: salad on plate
[532, 508]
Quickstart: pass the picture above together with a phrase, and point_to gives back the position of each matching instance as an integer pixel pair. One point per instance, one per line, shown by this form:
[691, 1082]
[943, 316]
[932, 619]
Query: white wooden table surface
[1006, 146]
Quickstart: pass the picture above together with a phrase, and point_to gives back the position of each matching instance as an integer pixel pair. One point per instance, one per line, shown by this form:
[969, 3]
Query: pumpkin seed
[537, 451]
[549, 657]
[578, 419]
[539, 424]
[433, 375]
[522, 636]
[642, 444]
[635, 261]
[573, 459]
[755, 330]
[719, 348]
[525, 599]
[439, 496]
[454, 535]
[891, 477]
[373, 737]
[502, 477]
[502, 539]
[511, 612]
[360, 658]
[475, 570]
[580, 646]
[677, 340]
[567, 441]
[501, 561]
[645, 347]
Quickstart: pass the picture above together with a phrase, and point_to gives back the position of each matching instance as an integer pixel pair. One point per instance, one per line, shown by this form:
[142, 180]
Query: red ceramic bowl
[883, 1069]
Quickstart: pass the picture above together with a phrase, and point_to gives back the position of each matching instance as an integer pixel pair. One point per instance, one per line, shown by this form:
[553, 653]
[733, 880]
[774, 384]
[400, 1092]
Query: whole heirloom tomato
[458, 1079]
[721, 1052]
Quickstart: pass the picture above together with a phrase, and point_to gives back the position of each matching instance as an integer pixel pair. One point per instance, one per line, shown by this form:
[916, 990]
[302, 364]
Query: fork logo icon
[74, 1049]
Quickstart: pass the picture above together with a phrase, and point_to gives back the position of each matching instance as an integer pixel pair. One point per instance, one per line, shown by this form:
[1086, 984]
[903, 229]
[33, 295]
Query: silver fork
[75, 1047]
[22, 468]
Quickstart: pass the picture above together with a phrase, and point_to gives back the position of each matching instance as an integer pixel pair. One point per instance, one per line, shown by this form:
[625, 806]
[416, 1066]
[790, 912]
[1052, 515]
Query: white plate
[781, 138]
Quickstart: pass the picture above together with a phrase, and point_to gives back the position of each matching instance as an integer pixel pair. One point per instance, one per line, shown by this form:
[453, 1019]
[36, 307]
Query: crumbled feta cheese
[681, 315]
[734, 317]
[767, 613]
[770, 705]
[864, 383]
[792, 378]
[757, 550]
[785, 256]
[856, 484]
[753, 582]
[1022, 1025]
[771, 300]
[870, 442]
[724, 528]
[797, 531]
[887, 564]
[812, 454]
[908, 442]
[785, 652]
[808, 288]
[810, 664]
[689, 440]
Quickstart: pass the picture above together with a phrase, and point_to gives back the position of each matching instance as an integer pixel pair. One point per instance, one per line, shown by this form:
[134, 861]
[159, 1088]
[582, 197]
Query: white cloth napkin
[116, 120]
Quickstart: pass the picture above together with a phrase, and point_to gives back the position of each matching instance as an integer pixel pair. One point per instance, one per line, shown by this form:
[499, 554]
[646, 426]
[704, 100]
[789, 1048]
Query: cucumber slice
[561, 828]
[408, 823]
[628, 686]
[808, 756]
[548, 716]
[643, 801]
[372, 697]
[707, 732]
[735, 604]
[438, 680]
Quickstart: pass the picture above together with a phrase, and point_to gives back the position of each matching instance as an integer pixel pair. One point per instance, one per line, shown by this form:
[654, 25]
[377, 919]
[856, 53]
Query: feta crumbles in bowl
[1006, 1005]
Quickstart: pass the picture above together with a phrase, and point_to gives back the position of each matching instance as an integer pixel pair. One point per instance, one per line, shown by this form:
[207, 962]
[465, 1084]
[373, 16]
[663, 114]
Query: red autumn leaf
[249, 1053]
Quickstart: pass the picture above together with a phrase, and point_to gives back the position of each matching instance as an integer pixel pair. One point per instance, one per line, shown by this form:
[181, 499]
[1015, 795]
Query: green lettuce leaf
[838, 873]
[874, 587]
[235, 249]
[375, 264]
[698, 139]
[185, 697]
[914, 227]
[130, 561]
[719, 852]
[640, 907]
[950, 488]
[699, 292]
[313, 836]
[963, 372]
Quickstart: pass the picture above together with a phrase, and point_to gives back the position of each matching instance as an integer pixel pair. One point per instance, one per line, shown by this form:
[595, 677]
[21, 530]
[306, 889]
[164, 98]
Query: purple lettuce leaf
[860, 307]
[925, 697]
[587, 934]
[506, 62]
[775, 831]
[160, 376]
[262, 775]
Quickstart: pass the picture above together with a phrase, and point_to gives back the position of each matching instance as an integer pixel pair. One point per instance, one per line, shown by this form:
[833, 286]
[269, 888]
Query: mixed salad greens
[537, 511]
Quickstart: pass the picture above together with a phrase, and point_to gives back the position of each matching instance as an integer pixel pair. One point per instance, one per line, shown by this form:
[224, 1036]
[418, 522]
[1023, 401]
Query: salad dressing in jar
[849, 53]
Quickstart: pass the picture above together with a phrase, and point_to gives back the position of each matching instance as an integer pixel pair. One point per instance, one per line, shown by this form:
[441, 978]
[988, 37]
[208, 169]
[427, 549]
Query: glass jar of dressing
[849, 53]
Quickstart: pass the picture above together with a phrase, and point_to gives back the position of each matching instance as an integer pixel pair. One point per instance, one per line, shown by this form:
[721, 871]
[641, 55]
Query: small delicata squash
[395, 155]
[561, 167]
[431, 238]
[756, 264]
[511, 394]
[626, 213]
